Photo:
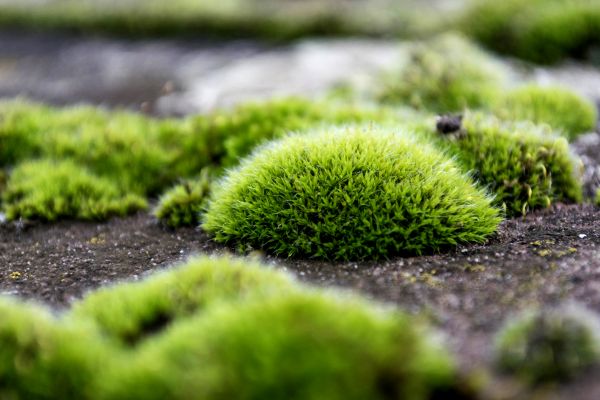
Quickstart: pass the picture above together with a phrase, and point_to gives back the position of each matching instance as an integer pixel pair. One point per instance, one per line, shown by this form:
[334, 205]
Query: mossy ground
[237, 330]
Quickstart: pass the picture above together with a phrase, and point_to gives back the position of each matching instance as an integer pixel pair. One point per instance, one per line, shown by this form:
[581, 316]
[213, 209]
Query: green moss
[251, 124]
[544, 31]
[182, 204]
[348, 193]
[526, 166]
[128, 148]
[272, 19]
[445, 74]
[44, 358]
[130, 312]
[598, 197]
[50, 190]
[302, 345]
[558, 107]
[549, 345]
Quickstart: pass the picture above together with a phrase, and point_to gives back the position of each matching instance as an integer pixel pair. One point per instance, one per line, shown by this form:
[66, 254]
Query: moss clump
[130, 312]
[182, 204]
[302, 345]
[348, 193]
[526, 166]
[549, 345]
[249, 125]
[445, 74]
[558, 107]
[598, 197]
[50, 190]
[543, 31]
[44, 358]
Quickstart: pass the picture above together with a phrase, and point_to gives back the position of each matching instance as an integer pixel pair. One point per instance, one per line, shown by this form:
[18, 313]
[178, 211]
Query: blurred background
[183, 56]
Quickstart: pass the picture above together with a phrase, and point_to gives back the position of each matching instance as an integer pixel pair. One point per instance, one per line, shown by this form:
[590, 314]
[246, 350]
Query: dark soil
[546, 258]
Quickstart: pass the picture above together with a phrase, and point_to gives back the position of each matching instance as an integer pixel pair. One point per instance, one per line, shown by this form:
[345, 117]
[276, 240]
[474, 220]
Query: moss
[45, 358]
[302, 344]
[549, 345]
[241, 130]
[271, 19]
[526, 166]
[543, 31]
[182, 204]
[558, 107]
[348, 193]
[598, 197]
[50, 190]
[130, 312]
[125, 147]
[445, 74]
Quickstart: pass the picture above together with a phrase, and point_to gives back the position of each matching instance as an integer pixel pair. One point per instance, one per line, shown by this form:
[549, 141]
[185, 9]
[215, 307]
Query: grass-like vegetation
[219, 328]
[270, 19]
[542, 31]
[51, 190]
[444, 74]
[549, 345]
[302, 345]
[349, 193]
[526, 166]
[558, 107]
[182, 204]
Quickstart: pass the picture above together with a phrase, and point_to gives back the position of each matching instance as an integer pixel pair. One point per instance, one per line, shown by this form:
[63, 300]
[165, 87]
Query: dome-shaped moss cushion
[348, 193]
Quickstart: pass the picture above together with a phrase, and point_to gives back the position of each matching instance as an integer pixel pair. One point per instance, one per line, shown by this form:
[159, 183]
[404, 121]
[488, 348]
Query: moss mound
[131, 312]
[526, 166]
[42, 358]
[543, 31]
[445, 74]
[558, 107]
[218, 328]
[348, 193]
[182, 204]
[302, 345]
[549, 345]
[50, 190]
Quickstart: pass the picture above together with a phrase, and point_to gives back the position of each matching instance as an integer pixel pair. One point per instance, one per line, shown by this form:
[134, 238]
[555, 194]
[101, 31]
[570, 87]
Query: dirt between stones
[547, 257]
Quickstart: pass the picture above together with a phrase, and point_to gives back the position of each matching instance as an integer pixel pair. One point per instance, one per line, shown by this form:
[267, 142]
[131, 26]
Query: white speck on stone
[582, 236]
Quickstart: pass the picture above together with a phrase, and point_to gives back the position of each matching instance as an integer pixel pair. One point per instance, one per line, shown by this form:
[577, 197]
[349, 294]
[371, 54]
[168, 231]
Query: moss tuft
[526, 166]
[558, 107]
[302, 345]
[130, 312]
[349, 193]
[182, 204]
[49, 190]
[445, 74]
[42, 358]
[549, 345]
